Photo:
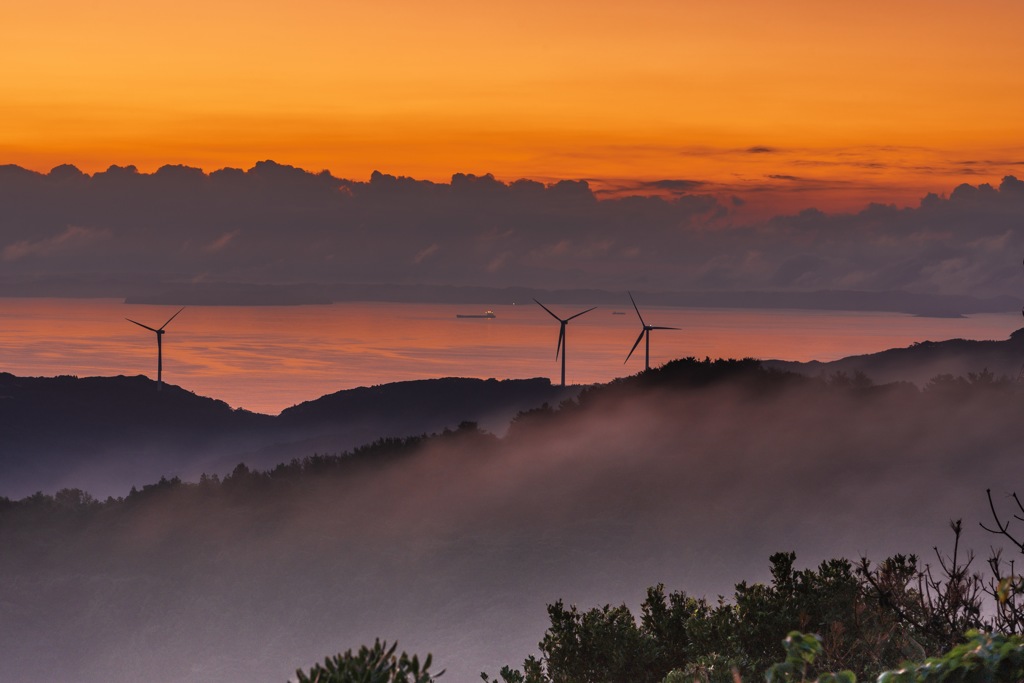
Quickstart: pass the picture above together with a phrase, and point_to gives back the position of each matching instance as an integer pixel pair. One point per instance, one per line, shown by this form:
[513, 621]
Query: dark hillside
[62, 430]
[106, 434]
[922, 361]
[350, 418]
[73, 407]
[428, 400]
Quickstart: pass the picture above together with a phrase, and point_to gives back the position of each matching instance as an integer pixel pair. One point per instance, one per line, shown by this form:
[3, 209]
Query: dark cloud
[803, 270]
[680, 185]
[828, 163]
[761, 150]
[669, 187]
[277, 224]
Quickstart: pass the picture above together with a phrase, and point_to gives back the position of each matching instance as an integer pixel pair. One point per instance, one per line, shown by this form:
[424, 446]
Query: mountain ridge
[922, 361]
[117, 431]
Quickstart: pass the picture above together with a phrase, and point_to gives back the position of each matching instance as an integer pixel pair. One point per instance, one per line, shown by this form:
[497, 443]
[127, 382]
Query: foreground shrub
[377, 664]
[983, 658]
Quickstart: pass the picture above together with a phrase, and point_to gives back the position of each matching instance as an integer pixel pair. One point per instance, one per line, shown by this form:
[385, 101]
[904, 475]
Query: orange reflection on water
[268, 358]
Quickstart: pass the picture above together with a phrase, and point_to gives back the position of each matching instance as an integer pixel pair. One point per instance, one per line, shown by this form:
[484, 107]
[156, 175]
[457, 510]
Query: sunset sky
[785, 104]
[336, 191]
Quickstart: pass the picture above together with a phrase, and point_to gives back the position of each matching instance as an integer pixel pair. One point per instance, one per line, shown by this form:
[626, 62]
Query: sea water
[265, 359]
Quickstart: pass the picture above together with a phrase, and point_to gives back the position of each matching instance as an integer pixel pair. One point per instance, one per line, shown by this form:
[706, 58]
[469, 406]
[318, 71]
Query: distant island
[242, 294]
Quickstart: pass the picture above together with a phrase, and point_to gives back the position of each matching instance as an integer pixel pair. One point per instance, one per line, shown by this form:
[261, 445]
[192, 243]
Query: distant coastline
[236, 294]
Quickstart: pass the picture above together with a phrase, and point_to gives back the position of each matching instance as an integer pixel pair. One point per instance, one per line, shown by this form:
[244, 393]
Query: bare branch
[1002, 528]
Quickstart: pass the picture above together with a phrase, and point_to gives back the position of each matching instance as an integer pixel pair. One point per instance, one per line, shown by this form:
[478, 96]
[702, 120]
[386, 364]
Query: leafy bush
[983, 658]
[377, 664]
[691, 638]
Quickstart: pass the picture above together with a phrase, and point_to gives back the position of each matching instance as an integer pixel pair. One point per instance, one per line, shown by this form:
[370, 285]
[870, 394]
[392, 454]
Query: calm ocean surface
[268, 358]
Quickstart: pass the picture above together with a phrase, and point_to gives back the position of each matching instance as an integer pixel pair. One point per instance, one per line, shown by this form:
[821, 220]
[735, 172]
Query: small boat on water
[486, 314]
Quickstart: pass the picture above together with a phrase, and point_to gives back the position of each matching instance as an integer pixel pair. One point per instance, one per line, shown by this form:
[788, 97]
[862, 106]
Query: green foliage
[868, 620]
[801, 651]
[532, 673]
[706, 669]
[856, 633]
[984, 658]
[604, 644]
[685, 628]
[377, 664]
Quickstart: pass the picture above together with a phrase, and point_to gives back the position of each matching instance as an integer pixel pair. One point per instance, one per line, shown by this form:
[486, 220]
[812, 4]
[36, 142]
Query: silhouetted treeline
[242, 482]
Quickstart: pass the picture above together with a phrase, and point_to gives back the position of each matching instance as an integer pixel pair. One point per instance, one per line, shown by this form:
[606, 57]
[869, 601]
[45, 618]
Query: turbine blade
[637, 309]
[579, 314]
[638, 340]
[141, 325]
[664, 328]
[548, 310]
[172, 318]
[561, 341]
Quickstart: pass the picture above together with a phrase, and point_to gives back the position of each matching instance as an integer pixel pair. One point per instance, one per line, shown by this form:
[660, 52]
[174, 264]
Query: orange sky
[831, 103]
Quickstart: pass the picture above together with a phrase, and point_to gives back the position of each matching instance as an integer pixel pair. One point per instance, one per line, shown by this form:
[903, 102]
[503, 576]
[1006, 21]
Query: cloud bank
[277, 224]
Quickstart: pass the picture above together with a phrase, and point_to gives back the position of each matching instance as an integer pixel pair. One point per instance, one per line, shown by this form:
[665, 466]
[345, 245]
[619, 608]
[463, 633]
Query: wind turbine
[159, 346]
[645, 331]
[561, 333]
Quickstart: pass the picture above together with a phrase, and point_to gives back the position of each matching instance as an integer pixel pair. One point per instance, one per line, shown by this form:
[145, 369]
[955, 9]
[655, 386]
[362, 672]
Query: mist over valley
[691, 474]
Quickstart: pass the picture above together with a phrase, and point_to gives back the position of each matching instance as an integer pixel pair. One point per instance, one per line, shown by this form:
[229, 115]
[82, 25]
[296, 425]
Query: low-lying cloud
[457, 549]
[279, 224]
[70, 240]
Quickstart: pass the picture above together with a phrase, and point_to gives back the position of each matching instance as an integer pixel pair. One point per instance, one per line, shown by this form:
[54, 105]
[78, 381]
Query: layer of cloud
[73, 238]
[280, 224]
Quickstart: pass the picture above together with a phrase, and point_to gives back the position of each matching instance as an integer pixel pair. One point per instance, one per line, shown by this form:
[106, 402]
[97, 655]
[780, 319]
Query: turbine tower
[159, 346]
[561, 333]
[645, 332]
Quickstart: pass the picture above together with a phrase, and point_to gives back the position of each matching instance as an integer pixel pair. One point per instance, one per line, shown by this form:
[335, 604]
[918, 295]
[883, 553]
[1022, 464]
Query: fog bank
[456, 546]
